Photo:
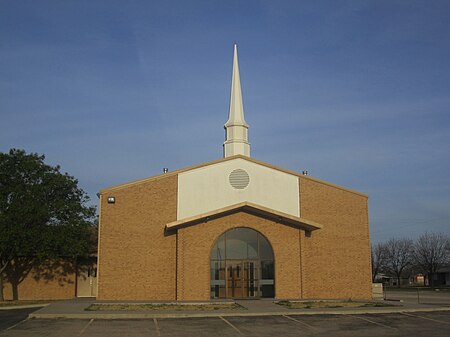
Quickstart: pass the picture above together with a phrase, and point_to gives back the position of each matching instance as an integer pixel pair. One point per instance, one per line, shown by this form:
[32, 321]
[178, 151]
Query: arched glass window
[242, 265]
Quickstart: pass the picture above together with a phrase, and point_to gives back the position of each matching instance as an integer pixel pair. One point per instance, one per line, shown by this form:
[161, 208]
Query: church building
[234, 227]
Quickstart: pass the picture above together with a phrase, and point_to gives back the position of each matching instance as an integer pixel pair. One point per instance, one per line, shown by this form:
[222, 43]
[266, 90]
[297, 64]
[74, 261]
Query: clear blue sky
[356, 92]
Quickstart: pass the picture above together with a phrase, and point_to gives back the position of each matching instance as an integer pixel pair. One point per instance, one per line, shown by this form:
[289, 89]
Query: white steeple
[236, 137]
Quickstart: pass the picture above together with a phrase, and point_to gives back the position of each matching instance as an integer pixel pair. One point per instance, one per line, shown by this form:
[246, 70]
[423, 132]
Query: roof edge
[165, 175]
[212, 162]
[248, 207]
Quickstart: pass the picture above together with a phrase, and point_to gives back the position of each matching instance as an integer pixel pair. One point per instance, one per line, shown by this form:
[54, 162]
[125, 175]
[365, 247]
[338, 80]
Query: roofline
[248, 207]
[165, 175]
[212, 162]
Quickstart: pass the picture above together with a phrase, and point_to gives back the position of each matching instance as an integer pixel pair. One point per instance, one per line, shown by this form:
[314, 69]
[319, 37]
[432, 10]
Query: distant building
[233, 228]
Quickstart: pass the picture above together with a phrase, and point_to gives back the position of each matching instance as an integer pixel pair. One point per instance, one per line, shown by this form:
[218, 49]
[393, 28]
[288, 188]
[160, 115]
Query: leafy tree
[378, 254]
[431, 252]
[399, 256]
[43, 216]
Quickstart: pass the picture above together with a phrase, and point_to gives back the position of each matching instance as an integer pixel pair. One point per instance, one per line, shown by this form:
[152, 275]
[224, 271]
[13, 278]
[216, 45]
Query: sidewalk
[263, 307]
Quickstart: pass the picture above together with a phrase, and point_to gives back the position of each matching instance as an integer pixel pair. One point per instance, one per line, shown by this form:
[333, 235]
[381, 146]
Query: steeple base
[234, 148]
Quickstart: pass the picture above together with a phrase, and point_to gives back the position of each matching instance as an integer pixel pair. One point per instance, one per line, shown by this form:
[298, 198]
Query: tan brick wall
[136, 259]
[56, 285]
[336, 259]
[194, 249]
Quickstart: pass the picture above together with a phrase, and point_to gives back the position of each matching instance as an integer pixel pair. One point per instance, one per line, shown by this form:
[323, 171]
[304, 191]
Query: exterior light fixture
[111, 200]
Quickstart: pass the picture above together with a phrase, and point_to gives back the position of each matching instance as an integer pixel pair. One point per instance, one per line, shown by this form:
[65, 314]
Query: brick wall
[59, 283]
[136, 258]
[336, 259]
[139, 261]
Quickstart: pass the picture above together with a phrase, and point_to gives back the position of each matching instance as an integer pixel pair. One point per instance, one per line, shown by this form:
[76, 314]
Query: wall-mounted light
[111, 200]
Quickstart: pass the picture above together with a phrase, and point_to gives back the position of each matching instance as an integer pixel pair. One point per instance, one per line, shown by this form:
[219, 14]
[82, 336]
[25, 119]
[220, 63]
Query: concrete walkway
[264, 307]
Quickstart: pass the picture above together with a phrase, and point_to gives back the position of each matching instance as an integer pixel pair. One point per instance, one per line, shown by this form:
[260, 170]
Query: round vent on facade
[239, 179]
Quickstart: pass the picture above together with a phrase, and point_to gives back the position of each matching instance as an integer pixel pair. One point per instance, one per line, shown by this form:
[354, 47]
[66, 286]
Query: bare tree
[399, 256]
[431, 252]
[378, 254]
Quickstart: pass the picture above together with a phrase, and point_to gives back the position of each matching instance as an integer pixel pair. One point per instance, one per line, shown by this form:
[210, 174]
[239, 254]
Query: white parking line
[373, 322]
[85, 327]
[229, 323]
[158, 332]
[13, 326]
[427, 318]
[296, 320]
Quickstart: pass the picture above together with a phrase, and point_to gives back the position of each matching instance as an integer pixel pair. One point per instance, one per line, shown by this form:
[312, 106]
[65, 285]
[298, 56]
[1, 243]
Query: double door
[242, 278]
[87, 281]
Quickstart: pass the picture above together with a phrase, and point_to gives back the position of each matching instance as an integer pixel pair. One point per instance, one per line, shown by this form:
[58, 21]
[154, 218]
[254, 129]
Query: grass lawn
[19, 303]
[331, 304]
[164, 306]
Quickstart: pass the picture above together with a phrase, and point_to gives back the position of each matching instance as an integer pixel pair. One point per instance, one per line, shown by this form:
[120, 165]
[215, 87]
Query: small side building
[63, 278]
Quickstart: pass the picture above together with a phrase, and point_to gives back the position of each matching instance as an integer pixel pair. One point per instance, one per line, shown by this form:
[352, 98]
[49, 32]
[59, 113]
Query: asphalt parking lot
[393, 324]
[9, 318]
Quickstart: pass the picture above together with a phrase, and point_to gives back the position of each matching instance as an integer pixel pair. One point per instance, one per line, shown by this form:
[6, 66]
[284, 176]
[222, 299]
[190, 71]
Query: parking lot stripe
[373, 322]
[296, 320]
[229, 323]
[158, 332]
[17, 324]
[430, 319]
[85, 327]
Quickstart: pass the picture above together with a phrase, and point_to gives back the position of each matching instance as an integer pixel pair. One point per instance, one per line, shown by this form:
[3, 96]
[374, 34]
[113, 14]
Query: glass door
[234, 279]
[251, 279]
[242, 265]
[242, 279]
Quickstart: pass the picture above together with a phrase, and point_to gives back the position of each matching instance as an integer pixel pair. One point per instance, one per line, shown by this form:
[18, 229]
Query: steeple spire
[236, 138]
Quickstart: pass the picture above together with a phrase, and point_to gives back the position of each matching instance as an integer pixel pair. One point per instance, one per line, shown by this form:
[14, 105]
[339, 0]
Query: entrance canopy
[251, 208]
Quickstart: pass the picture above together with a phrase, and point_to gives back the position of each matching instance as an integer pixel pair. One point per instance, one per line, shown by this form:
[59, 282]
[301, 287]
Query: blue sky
[356, 92]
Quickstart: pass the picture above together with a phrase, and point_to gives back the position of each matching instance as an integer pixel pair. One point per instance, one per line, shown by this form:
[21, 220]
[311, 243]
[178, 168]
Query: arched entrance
[242, 265]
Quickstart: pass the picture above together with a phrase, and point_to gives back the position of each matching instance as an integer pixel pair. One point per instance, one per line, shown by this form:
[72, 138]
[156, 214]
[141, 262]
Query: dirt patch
[164, 306]
[331, 304]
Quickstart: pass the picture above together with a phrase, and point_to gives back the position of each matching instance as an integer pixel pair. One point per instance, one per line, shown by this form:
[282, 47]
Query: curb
[29, 306]
[230, 314]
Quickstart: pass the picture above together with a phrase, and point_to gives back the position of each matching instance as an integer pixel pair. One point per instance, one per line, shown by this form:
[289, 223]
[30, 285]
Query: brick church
[234, 227]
